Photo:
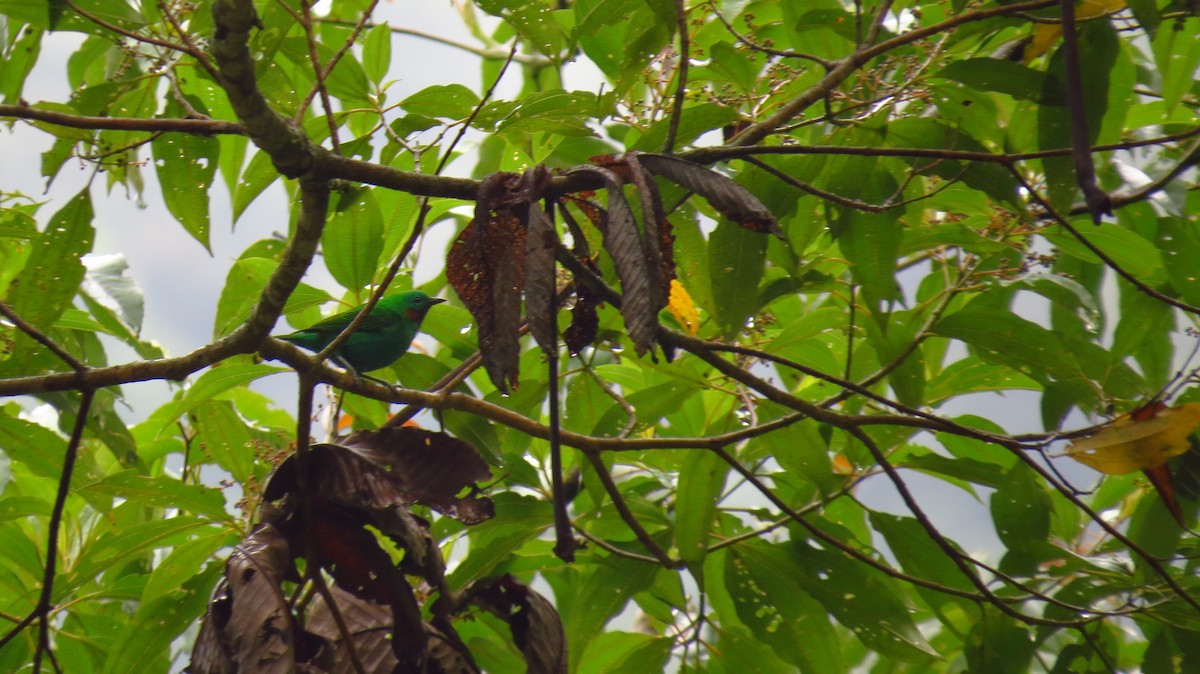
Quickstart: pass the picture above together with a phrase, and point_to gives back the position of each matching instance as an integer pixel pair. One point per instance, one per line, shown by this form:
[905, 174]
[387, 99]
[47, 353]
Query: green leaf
[743, 652]
[377, 52]
[695, 121]
[53, 272]
[1098, 52]
[444, 101]
[129, 540]
[160, 492]
[1021, 510]
[531, 20]
[1177, 53]
[1179, 243]
[258, 176]
[871, 241]
[936, 134]
[998, 644]
[353, 239]
[243, 288]
[597, 597]
[1131, 252]
[971, 375]
[771, 600]
[186, 165]
[920, 556]
[1006, 338]
[1006, 77]
[863, 600]
[1147, 15]
[736, 257]
[36, 447]
[18, 230]
[615, 652]
[184, 561]
[894, 341]
[51, 275]
[157, 623]
[493, 541]
[215, 382]
[1144, 331]
[555, 111]
[967, 470]
[19, 61]
[701, 478]
[225, 437]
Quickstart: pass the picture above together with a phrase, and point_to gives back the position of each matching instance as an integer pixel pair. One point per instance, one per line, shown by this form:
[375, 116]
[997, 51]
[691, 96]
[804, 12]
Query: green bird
[381, 338]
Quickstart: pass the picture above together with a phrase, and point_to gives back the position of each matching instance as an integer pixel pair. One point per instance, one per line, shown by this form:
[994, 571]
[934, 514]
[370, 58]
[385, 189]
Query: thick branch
[289, 149]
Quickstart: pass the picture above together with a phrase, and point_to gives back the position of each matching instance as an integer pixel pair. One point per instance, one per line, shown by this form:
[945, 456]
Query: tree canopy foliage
[742, 297]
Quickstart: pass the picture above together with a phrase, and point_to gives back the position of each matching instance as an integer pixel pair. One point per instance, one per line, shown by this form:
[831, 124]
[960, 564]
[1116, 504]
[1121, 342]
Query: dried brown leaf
[372, 627]
[623, 242]
[585, 322]
[540, 309]
[486, 266]
[653, 220]
[249, 624]
[389, 467]
[536, 627]
[731, 199]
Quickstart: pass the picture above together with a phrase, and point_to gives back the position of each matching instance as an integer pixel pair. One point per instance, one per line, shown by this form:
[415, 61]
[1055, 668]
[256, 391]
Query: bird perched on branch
[381, 338]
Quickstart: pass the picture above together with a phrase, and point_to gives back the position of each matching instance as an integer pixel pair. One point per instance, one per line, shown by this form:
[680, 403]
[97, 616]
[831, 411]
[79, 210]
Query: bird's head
[413, 303]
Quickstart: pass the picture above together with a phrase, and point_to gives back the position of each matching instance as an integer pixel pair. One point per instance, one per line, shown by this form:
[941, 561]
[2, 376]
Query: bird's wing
[336, 323]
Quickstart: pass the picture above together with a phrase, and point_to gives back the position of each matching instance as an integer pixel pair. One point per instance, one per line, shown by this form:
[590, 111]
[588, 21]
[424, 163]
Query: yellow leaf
[681, 307]
[1132, 443]
[1046, 34]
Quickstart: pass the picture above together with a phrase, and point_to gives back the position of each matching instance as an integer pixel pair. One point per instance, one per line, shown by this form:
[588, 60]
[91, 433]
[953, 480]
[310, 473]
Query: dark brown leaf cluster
[511, 247]
[367, 616]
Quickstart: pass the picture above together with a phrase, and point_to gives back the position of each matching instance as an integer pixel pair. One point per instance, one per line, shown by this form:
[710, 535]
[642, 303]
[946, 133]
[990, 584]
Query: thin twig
[681, 74]
[56, 515]
[41, 338]
[627, 515]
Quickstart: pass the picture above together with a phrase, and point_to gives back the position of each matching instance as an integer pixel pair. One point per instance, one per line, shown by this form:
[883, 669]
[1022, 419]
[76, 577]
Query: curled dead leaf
[1143, 440]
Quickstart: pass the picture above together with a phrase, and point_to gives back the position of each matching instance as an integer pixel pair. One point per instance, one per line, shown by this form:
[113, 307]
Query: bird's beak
[435, 300]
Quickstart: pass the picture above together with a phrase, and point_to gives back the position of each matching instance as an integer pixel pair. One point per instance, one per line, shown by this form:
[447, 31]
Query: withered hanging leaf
[387, 637]
[731, 199]
[590, 209]
[369, 624]
[502, 354]
[485, 265]
[536, 627]
[249, 624]
[585, 322]
[1142, 440]
[389, 467]
[653, 219]
[447, 654]
[1161, 479]
[540, 309]
[623, 242]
